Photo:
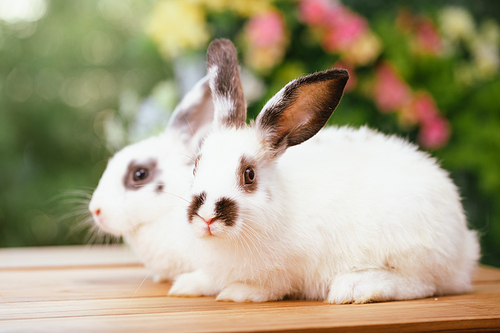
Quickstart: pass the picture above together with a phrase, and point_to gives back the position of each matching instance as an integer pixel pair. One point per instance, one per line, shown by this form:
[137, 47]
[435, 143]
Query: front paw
[355, 288]
[240, 292]
[193, 284]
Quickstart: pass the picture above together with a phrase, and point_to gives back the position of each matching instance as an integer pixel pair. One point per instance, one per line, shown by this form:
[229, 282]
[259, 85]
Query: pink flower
[314, 12]
[428, 37]
[434, 132]
[424, 107]
[391, 92]
[266, 30]
[344, 27]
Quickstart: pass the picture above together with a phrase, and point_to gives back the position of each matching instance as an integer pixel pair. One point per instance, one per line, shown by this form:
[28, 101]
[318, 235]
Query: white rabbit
[140, 195]
[350, 216]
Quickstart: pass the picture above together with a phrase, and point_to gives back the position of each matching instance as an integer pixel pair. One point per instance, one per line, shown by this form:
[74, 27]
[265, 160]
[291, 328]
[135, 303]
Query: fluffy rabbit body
[140, 195]
[350, 215]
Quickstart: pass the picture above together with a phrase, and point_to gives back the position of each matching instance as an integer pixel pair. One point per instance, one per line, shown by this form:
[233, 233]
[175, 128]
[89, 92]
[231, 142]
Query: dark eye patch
[247, 174]
[139, 174]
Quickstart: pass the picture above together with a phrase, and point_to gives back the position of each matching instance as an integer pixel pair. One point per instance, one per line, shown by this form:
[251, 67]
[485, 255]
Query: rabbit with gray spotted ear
[346, 216]
[142, 193]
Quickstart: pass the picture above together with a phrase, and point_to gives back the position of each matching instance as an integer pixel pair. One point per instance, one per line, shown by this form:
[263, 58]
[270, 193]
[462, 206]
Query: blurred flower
[407, 117]
[434, 133]
[428, 38]
[391, 93]
[424, 107]
[340, 30]
[434, 130]
[456, 23]
[266, 40]
[176, 26]
[363, 50]
[491, 32]
[486, 59]
[344, 28]
[485, 50]
[314, 12]
[425, 37]
[242, 7]
[265, 30]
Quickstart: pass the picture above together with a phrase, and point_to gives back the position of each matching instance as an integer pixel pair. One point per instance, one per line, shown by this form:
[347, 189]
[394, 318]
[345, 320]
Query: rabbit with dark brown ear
[142, 193]
[346, 216]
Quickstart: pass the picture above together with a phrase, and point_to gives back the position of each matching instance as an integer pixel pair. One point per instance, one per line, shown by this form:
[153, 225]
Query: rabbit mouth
[104, 227]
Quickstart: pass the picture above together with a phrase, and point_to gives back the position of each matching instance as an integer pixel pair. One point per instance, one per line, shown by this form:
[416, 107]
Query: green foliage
[53, 83]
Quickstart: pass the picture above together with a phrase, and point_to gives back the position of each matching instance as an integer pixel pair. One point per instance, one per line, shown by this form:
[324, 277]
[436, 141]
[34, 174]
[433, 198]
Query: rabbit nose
[209, 221]
[97, 212]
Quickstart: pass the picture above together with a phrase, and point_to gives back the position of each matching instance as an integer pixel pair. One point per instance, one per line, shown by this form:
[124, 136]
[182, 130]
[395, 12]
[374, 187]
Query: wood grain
[54, 293]
[66, 256]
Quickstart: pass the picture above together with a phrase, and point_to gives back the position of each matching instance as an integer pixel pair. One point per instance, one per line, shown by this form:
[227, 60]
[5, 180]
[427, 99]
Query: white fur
[152, 220]
[351, 215]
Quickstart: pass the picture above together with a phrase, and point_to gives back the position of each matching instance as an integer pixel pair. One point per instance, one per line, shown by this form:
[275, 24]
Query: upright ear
[194, 114]
[227, 91]
[299, 110]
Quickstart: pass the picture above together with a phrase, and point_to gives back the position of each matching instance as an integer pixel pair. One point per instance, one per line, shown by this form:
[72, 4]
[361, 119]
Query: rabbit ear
[225, 83]
[194, 112]
[299, 110]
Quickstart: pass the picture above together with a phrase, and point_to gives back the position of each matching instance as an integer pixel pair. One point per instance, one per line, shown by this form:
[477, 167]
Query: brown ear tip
[343, 72]
[339, 73]
[221, 45]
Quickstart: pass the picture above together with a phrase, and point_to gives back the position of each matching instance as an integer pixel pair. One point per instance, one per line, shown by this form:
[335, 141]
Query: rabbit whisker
[162, 191]
[188, 156]
[144, 280]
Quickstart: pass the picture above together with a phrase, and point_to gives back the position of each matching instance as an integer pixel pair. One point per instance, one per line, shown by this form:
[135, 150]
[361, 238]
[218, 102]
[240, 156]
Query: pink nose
[97, 212]
[209, 221]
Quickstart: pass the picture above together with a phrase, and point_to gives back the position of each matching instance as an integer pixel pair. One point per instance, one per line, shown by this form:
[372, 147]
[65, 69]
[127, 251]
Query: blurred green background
[80, 79]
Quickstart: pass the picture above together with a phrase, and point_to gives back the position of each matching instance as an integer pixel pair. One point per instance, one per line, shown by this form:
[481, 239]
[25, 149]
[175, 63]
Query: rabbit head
[235, 171]
[147, 180]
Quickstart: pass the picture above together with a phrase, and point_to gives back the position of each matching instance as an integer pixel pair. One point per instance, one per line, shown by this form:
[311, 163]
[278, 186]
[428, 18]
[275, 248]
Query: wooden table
[72, 289]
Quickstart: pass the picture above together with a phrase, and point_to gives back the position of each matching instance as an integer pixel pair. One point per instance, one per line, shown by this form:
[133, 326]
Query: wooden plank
[408, 316]
[98, 283]
[108, 294]
[484, 300]
[66, 256]
[88, 283]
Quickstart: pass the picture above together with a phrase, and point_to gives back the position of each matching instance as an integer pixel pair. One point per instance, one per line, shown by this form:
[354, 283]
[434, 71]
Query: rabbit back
[377, 202]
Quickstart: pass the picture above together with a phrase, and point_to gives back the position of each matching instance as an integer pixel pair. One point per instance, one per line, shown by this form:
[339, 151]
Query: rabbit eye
[249, 176]
[140, 174]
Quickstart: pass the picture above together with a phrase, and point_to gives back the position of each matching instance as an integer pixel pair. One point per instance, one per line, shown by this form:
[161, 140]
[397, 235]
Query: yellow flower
[363, 50]
[486, 58]
[177, 25]
[457, 23]
[245, 8]
[263, 59]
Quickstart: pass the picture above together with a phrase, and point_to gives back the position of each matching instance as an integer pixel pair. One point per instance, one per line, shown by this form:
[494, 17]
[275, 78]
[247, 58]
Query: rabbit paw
[193, 284]
[377, 286]
[240, 292]
[355, 288]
